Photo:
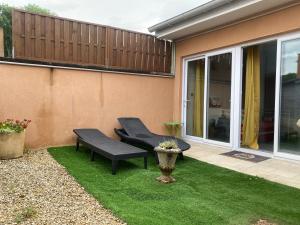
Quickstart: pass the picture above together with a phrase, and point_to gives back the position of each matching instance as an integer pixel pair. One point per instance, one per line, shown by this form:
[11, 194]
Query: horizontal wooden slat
[59, 40]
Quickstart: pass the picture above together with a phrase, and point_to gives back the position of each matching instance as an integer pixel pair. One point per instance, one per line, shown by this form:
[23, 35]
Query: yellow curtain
[198, 100]
[252, 99]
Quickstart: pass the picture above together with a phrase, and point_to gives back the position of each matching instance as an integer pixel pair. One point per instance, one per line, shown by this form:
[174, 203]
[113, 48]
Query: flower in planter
[298, 123]
[13, 126]
[12, 138]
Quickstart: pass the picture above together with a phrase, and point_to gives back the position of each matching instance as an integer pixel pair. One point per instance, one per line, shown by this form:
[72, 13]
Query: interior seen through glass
[195, 97]
[289, 136]
[258, 96]
[219, 95]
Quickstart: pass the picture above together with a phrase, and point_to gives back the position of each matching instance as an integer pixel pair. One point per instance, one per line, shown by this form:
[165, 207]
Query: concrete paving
[274, 169]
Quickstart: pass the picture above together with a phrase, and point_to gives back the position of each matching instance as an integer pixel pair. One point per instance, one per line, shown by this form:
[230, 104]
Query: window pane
[290, 97]
[195, 98]
[258, 96]
[219, 94]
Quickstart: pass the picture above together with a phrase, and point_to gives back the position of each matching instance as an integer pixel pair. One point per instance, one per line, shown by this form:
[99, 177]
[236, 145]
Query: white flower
[298, 123]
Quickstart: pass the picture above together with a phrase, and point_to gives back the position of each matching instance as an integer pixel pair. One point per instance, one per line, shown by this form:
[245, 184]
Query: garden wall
[58, 100]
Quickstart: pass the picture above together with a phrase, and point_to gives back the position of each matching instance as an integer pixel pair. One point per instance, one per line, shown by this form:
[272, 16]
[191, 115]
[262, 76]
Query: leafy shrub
[5, 23]
[13, 126]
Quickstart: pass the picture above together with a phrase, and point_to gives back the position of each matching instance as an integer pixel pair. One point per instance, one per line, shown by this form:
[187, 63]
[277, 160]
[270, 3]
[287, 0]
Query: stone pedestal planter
[12, 145]
[167, 159]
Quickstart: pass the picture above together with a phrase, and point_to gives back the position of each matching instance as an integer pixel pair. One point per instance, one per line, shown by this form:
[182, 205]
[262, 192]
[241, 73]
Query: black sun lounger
[98, 143]
[134, 132]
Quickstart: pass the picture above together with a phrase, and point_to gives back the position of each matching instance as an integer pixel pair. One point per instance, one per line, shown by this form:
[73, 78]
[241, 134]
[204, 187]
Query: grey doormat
[245, 156]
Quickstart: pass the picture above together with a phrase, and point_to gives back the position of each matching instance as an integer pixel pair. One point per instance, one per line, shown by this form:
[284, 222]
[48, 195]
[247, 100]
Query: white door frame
[236, 96]
[277, 152]
[185, 100]
[239, 93]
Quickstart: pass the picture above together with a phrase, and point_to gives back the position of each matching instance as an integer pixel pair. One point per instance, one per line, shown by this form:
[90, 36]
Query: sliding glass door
[289, 113]
[258, 96]
[219, 97]
[207, 97]
[264, 111]
[195, 97]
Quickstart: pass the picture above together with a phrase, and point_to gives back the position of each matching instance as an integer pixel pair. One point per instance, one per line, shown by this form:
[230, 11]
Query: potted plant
[167, 152]
[12, 138]
[173, 128]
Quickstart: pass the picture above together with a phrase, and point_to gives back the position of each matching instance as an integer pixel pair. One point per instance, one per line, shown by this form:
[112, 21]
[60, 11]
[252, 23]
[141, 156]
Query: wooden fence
[58, 40]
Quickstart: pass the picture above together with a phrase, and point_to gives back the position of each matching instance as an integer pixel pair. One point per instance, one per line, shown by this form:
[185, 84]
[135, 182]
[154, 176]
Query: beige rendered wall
[279, 22]
[58, 100]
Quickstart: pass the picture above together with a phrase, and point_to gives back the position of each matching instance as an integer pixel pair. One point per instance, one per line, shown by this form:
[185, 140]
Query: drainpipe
[173, 63]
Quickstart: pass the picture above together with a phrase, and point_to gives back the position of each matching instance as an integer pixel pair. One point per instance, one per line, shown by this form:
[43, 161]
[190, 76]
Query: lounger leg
[92, 156]
[77, 144]
[114, 166]
[145, 162]
[181, 156]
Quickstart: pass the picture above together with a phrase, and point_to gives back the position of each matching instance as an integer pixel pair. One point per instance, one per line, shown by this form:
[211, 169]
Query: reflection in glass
[290, 97]
[195, 97]
[219, 94]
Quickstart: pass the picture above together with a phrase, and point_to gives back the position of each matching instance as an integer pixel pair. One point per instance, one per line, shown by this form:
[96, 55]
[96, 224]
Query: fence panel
[58, 40]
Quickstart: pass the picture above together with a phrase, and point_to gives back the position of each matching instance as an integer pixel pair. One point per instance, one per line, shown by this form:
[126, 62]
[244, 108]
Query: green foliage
[33, 8]
[10, 126]
[173, 128]
[6, 22]
[26, 213]
[289, 76]
[171, 144]
[202, 194]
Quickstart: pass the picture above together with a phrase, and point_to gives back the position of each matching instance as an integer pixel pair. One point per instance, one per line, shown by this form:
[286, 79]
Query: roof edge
[209, 6]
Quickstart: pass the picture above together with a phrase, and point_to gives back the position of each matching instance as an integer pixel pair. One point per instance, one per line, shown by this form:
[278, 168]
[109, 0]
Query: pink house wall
[280, 22]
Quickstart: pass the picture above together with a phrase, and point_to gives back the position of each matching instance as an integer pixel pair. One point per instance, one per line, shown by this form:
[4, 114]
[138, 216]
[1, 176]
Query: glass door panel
[289, 127]
[218, 97]
[195, 97]
[258, 96]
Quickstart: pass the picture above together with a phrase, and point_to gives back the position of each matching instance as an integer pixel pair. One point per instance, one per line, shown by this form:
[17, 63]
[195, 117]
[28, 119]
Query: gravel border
[35, 189]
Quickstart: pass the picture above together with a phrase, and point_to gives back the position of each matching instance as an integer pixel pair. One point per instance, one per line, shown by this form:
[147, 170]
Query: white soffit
[219, 12]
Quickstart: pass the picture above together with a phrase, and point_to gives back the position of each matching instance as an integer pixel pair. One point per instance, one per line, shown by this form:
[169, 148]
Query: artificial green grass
[203, 194]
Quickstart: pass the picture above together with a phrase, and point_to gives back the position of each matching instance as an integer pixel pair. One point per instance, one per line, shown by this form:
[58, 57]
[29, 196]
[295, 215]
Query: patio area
[274, 169]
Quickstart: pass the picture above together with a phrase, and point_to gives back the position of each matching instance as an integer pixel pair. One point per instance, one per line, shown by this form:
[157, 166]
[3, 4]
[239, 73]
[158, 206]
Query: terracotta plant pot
[12, 145]
[167, 159]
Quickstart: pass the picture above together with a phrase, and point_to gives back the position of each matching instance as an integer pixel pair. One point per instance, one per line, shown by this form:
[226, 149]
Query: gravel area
[35, 189]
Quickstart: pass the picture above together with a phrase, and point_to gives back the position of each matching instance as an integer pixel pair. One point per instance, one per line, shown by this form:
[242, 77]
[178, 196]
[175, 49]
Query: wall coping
[85, 69]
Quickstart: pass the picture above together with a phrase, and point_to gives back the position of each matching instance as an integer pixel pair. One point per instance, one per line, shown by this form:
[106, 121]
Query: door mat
[245, 156]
